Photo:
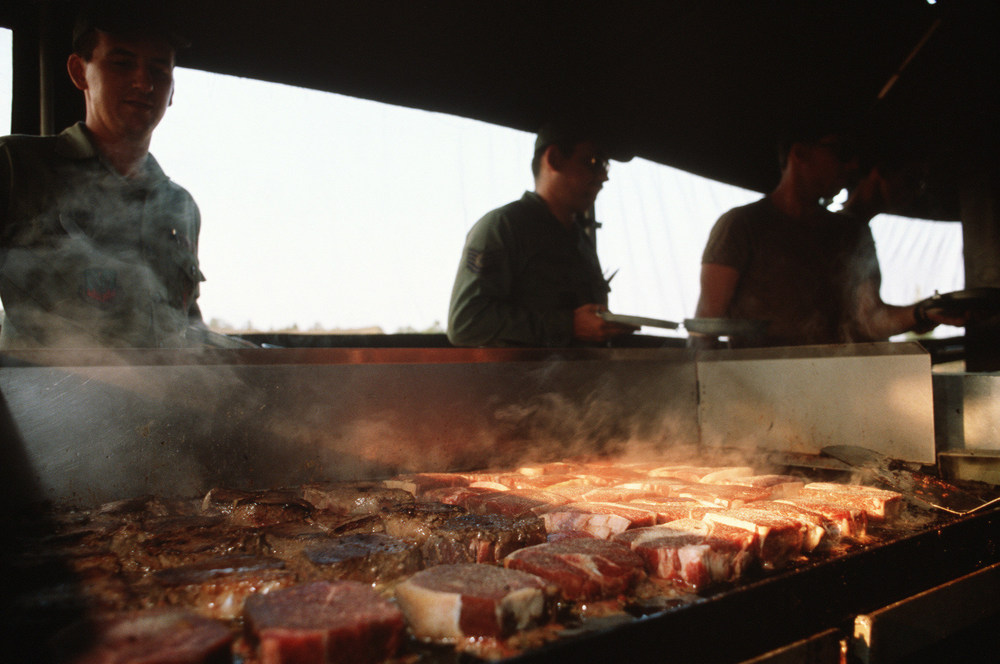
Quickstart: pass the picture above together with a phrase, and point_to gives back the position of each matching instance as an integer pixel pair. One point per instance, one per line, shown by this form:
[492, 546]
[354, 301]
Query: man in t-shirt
[787, 260]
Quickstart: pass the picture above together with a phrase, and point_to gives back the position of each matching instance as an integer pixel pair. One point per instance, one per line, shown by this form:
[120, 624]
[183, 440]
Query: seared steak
[420, 483]
[416, 521]
[481, 538]
[269, 508]
[286, 540]
[366, 557]
[353, 497]
[218, 587]
[174, 541]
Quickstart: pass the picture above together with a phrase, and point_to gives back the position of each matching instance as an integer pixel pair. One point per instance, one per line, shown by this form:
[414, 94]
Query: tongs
[921, 488]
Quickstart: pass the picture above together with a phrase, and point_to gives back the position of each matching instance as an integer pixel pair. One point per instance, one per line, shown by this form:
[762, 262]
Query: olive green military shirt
[89, 257]
[521, 276]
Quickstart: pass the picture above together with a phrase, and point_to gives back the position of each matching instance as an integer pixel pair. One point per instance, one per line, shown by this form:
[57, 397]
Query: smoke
[107, 262]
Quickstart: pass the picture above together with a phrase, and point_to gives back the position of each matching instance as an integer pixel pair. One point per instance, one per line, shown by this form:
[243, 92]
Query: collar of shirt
[76, 143]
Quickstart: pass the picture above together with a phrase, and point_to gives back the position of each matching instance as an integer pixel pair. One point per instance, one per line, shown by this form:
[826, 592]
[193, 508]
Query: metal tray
[726, 327]
[971, 300]
[638, 321]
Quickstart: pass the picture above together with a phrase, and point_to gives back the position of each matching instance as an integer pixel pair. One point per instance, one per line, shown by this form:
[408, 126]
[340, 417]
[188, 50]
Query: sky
[321, 211]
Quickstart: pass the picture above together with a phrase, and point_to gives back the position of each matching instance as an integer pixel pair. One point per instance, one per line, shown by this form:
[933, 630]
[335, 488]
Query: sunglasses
[597, 165]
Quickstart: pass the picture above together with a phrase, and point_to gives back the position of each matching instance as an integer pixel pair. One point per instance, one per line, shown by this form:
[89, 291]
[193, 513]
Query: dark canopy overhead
[700, 85]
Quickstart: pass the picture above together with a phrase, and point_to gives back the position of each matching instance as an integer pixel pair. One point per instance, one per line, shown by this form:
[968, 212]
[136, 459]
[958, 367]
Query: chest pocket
[180, 269]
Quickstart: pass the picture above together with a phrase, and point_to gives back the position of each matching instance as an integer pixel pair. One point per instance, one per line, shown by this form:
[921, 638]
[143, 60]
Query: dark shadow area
[38, 591]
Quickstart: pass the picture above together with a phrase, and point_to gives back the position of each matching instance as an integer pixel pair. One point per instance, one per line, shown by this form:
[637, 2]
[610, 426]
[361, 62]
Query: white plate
[638, 321]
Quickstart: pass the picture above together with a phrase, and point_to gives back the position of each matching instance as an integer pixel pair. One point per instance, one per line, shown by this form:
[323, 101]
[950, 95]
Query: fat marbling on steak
[324, 622]
[695, 552]
[842, 520]
[600, 519]
[879, 505]
[451, 602]
[779, 537]
[583, 568]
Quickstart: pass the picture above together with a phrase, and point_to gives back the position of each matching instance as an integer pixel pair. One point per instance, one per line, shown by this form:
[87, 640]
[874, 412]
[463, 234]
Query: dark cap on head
[127, 17]
[566, 135]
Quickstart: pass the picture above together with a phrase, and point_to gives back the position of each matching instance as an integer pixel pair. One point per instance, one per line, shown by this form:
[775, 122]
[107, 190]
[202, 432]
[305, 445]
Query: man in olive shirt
[529, 274]
[97, 246]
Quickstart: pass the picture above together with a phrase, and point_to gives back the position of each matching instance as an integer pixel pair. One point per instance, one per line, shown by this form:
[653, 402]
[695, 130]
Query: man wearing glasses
[529, 273]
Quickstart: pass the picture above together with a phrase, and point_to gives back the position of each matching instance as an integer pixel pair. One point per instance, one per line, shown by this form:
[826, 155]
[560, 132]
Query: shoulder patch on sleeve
[481, 262]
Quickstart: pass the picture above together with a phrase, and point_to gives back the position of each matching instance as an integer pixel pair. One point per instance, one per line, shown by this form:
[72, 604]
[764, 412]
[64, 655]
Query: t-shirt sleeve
[729, 242]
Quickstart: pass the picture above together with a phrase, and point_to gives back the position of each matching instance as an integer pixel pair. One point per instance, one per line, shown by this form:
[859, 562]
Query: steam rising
[109, 263]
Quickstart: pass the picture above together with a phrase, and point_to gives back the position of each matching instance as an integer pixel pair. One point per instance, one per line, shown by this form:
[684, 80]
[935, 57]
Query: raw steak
[815, 527]
[451, 602]
[722, 495]
[841, 520]
[664, 487]
[600, 519]
[514, 503]
[780, 486]
[667, 510]
[154, 636]
[687, 551]
[699, 473]
[878, 504]
[583, 568]
[321, 622]
[779, 537]
[616, 494]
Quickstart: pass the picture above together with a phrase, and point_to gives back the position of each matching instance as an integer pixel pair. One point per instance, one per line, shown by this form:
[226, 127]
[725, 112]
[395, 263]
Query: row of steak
[363, 571]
